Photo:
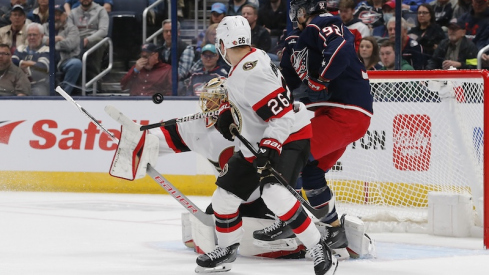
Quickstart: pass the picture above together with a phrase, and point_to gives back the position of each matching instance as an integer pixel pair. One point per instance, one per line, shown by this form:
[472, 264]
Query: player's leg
[290, 211]
[228, 231]
[276, 233]
[236, 183]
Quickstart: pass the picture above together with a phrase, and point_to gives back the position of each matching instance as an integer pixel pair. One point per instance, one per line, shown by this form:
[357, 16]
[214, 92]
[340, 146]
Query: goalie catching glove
[267, 156]
[136, 149]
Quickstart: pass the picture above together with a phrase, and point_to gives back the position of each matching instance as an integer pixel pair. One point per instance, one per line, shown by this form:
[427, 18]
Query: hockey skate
[335, 238]
[324, 262]
[218, 260]
[278, 236]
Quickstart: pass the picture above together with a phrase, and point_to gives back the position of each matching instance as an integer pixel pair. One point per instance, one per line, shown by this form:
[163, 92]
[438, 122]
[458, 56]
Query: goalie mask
[305, 8]
[213, 93]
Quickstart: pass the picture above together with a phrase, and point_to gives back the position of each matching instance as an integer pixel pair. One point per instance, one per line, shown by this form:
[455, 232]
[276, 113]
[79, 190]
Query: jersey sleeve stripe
[267, 110]
[332, 58]
[173, 138]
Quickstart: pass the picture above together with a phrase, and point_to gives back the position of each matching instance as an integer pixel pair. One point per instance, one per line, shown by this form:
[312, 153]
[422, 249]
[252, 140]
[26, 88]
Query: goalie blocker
[136, 149]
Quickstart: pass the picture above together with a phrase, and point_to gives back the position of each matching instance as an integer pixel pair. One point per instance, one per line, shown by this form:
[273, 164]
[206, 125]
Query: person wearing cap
[209, 70]
[33, 59]
[41, 13]
[148, 76]
[5, 10]
[273, 16]
[456, 51]
[218, 11]
[387, 12]
[15, 34]
[92, 22]
[67, 45]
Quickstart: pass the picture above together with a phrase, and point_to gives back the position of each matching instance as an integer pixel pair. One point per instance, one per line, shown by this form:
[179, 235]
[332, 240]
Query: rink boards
[48, 145]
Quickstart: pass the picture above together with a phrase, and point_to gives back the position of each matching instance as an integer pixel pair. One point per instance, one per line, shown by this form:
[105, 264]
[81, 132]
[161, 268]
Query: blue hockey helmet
[307, 7]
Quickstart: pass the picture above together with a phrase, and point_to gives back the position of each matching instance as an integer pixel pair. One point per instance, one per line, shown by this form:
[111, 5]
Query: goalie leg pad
[136, 149]
[360, 245]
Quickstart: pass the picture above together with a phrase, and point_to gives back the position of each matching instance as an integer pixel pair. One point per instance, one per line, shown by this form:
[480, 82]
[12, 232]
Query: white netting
[425, 135]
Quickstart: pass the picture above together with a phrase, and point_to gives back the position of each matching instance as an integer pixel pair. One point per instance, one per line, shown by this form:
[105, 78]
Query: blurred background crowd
[124, 47]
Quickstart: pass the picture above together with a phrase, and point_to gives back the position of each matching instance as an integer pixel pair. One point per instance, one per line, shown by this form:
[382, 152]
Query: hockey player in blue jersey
[320, 65]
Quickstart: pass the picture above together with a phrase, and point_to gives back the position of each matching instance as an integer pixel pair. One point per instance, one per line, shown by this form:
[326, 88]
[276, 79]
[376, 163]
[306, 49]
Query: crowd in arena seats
[435, 34]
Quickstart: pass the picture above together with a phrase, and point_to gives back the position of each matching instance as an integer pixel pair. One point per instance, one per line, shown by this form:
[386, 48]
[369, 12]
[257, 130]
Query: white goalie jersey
[261, 102]
[195, 136]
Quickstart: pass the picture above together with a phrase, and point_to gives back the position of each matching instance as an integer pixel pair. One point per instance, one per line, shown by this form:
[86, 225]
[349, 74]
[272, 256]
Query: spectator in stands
[33, 59]
[461, 7]
[71, 4]
[41, 13]
[412, 5]
[210, 70]
[210, 38]
[412, 52]
[273, 16]
[456, 51]
[260, 37]
[28, 5]
[67, 45]
[370, 12]
[356, 26]
[388, 10]
[93, 24]
[13, 81]
[149, 75]
[235, 6]
[15, 34]
[443, 12]
[477, 23]
[185, 53]
[427, 33]
[218, 11]
[368, 53]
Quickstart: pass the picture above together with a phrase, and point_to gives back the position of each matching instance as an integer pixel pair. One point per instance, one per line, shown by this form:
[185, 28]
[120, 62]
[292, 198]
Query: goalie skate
[218, 260]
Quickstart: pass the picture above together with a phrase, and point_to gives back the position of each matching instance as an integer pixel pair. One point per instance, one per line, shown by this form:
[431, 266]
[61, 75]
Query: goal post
[427, 134]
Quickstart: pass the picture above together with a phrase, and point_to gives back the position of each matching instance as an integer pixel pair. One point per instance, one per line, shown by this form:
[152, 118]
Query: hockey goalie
[138, 148]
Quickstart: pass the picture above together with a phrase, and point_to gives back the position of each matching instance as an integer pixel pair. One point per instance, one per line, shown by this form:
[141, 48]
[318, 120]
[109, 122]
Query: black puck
[158, 98]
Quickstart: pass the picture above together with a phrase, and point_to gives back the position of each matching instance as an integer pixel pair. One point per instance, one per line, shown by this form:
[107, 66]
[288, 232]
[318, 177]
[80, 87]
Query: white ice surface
[119, 234]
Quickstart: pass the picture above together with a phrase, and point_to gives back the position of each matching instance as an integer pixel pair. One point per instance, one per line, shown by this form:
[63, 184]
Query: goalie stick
[318, 213]
[155, 175]
[182, 119]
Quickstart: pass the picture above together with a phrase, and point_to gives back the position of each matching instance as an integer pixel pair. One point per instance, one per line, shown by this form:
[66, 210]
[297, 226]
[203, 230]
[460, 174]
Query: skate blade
[289, 244]
[221, 268]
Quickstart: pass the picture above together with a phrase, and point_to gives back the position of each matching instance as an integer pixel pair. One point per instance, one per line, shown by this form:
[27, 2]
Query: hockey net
[427, 134]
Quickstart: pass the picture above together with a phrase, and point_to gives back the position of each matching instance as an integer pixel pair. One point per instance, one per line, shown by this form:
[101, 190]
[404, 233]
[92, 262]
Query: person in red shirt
[148, 76]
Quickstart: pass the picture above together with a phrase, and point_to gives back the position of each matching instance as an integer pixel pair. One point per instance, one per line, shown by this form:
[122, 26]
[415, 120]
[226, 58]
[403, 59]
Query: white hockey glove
[136, 149]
